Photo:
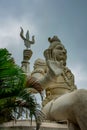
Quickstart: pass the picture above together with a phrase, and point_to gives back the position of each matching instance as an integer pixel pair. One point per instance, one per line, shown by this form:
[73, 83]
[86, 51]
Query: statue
[27, 53]
[40, 68]
[72, 107]
[26, 39]
[55, 82]
[63, 101]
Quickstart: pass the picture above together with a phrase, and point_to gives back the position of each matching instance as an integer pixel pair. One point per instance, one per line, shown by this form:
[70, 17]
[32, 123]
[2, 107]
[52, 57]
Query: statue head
[58, 50]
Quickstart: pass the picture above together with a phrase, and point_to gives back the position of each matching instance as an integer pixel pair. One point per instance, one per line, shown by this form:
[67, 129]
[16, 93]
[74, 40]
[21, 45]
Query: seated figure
[52, 74]
[59, 79]
[63, 101]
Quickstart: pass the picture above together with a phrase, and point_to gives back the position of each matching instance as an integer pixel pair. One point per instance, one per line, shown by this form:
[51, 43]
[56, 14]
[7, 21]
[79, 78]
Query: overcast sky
[44, 18]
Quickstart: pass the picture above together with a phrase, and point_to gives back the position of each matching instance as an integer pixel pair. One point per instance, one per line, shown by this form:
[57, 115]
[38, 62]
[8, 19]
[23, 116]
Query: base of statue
[26, 124]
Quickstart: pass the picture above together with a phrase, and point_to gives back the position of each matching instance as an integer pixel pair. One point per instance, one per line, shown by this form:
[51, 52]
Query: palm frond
[13, 92]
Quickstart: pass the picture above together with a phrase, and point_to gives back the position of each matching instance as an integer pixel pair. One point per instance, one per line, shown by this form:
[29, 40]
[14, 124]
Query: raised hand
[55, 67]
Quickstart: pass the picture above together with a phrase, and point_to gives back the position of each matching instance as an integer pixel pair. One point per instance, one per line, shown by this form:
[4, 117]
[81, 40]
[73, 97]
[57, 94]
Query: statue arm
[55, 69]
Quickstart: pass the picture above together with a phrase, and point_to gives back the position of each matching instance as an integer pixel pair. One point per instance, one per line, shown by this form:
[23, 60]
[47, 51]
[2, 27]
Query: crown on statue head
[55, 38]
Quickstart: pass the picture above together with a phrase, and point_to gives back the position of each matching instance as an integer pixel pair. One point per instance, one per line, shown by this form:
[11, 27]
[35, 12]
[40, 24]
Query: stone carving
[26, 39]
[72, 107]
[27, 53]
[63, 101]
[40, 68]
[58, 79]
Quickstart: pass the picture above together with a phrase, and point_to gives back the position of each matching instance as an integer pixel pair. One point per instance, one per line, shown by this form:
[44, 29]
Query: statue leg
[71, 106]
[46, 110]
[59, 109]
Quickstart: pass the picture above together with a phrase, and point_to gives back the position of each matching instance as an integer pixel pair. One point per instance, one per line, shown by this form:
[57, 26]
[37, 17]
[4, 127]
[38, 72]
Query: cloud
[10, 36]
[44, 20]
[10, 39]
[80, 75]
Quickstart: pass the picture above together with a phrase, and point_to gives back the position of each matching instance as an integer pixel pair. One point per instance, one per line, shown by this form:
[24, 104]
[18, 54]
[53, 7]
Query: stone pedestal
[26, 124]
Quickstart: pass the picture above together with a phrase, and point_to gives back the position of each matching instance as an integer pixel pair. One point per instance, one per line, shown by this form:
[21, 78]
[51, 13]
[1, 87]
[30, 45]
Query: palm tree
[13, 94]
[12, 80]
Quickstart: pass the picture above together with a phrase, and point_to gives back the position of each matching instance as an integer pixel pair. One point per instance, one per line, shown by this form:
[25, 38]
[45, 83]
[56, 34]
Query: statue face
[59, 52]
